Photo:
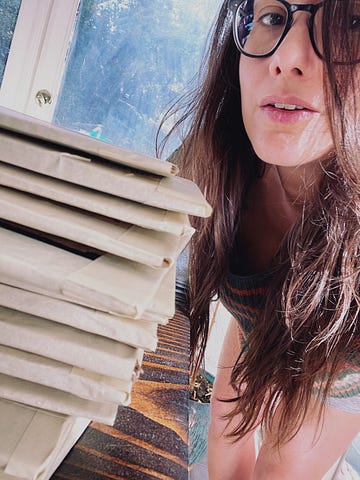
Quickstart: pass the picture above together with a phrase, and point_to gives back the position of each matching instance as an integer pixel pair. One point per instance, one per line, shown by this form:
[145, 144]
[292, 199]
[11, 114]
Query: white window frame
[37, 55]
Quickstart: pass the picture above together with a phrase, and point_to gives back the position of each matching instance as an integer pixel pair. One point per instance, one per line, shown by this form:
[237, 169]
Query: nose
[295, 55]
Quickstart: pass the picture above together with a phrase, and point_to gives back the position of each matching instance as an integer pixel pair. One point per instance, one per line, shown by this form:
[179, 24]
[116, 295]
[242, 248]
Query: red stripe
[253, 291]
[241, 305]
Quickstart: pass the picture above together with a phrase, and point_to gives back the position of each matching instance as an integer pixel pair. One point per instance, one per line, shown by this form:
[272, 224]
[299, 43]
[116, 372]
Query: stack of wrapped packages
[90, 234]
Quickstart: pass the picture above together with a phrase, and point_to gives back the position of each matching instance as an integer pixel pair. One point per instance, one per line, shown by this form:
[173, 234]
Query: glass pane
[127, 61]
[9, 10]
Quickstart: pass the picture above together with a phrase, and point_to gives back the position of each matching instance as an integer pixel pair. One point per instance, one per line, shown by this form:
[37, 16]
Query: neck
[274, 203]
[284, 192]
[297, 183]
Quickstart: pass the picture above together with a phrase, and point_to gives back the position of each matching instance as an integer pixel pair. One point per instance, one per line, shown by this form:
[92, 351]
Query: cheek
[311, 143]
[291, 147]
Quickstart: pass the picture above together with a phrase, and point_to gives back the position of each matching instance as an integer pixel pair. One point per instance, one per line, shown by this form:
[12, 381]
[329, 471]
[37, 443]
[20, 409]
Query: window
[8, 14]
[127, 60]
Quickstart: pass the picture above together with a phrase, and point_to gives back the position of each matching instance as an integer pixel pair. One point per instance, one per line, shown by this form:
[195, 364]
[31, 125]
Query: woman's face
[283, 100]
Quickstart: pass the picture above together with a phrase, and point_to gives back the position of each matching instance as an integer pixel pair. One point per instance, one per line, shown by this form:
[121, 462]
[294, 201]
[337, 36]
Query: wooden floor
[149, 440]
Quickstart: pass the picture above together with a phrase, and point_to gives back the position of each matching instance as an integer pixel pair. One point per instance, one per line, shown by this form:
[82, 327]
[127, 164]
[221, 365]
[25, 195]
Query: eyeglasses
[259, 26]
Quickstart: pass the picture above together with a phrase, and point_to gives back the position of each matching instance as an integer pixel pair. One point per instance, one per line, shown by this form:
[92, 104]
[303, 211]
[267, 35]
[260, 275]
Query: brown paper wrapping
[171, 193]
[93, 201]
[17, 122]
[47, 398]
[139, 333]
[62, 376]
[155, 249]
[52, 433]
[68, 345]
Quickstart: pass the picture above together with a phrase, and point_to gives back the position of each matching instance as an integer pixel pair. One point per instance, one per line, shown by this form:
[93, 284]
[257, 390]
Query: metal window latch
[43, 97]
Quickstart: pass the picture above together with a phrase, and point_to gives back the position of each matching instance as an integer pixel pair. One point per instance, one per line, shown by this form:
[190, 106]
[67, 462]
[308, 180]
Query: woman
[274, 143]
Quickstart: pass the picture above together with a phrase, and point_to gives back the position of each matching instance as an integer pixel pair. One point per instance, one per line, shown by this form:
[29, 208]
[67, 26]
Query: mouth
[287, 106]
[288, 103]
[290, 110]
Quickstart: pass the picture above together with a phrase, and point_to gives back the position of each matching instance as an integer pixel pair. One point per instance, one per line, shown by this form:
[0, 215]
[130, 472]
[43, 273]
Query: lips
[287, 109]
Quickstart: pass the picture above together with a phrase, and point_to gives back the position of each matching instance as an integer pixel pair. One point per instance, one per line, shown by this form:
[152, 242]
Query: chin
[282, 158]
[285, 155]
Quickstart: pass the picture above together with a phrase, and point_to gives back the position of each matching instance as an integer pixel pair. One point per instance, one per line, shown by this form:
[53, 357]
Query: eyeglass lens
[260, 25]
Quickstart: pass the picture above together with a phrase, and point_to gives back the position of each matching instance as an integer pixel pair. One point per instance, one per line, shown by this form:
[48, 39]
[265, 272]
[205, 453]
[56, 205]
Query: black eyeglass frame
[291, 8]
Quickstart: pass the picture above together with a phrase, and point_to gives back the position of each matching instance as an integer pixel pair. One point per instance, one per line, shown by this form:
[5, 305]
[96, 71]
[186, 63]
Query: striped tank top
[244, 297]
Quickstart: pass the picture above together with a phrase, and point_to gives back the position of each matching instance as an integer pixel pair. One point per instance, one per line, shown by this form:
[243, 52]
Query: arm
[227, 460]
[301, 458]
[311, 453]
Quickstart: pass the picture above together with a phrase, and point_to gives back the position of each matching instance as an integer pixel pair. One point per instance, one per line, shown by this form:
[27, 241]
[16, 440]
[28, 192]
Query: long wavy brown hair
[309, 327]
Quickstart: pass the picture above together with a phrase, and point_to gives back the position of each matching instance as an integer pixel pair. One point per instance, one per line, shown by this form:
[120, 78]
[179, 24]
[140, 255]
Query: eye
[270, 13]
[272, 19]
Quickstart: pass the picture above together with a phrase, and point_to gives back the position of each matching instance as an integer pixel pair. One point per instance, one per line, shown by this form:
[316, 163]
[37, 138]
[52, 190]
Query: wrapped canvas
[94, 201]
[69, 345]
[47, 398]
[152, 248]
[171, 193]
[62, 376]
[139, 333]
[52, 134]
[52, 433]
[110, 283]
